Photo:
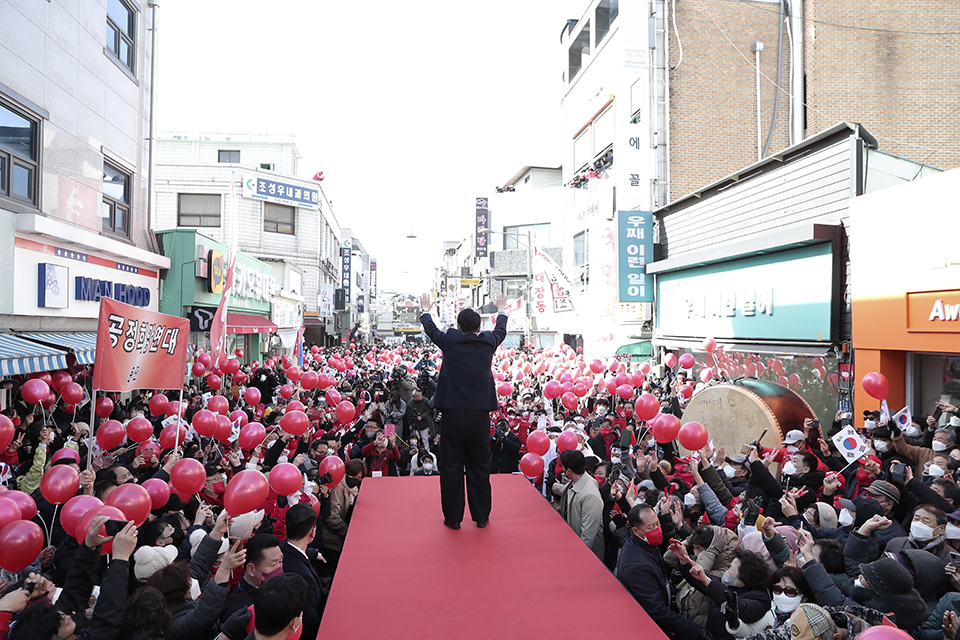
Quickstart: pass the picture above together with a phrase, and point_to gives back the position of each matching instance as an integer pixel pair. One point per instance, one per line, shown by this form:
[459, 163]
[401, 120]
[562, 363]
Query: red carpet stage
[526, 575]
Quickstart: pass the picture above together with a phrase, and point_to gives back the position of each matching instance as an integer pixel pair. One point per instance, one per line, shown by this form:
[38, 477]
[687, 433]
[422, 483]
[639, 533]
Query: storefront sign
[91, 290]
[201, 318]
[216, 271]
[326, 300]
[482, 222]
[270, 190]
[345, 270]
[284, 313]
[373, 279]
[53, 282]
[934, 311]
[784, 296]
[635, 246]
[250, 282]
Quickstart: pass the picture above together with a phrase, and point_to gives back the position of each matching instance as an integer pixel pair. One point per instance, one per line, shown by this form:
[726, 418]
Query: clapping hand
[950, 625]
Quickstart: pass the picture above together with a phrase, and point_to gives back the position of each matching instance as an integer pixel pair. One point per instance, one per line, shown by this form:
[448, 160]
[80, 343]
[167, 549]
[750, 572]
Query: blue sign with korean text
[270, 190]
[345, 271]
[635, 246]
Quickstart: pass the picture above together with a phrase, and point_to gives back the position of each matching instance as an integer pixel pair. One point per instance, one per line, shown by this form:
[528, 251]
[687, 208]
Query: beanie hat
[197, 537]
[887, 577]
[149, 560]
[828, 517]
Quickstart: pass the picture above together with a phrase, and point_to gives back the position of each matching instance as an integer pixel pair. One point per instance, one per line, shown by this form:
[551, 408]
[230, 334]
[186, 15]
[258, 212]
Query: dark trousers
[465, 450]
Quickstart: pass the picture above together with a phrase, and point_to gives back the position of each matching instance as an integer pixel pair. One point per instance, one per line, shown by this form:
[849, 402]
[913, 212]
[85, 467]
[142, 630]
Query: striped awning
[19, 356]
[83, 345]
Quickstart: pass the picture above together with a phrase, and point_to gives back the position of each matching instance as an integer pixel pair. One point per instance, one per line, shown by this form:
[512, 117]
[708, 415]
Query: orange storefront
[905, 290]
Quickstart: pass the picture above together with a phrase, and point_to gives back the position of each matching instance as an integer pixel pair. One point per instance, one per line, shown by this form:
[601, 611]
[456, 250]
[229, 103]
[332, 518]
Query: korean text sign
[345, 270]
[635, 241]
[482, 223]
[281, 192]
[139, 349]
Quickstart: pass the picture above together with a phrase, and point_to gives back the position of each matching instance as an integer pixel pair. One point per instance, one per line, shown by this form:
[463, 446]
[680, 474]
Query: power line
[853, 27]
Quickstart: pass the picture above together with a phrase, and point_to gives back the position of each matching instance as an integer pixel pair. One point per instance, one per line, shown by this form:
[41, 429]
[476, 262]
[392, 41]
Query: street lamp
[529, 246]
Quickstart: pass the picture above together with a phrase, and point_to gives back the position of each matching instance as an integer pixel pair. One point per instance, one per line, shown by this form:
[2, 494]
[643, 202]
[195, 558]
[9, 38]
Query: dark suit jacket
[465, 380]
[295, 562]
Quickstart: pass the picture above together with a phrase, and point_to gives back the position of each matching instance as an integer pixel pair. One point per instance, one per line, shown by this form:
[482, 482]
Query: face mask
[939, 446]
[729, 471]
[689, 501]
[728, 579]
[282, 459]
[912, 431]
[859, 583]
[652, 442]
[880, 446]
[276, 572]
[863, 476]
[654, 537]
[869, 425]
[600, 481]
[845, 518]
[785, 603]
[219, 487]
[953, 531]
[428, 466]
[934, 471]
[792, 449]
[789, 468]
[352, 482]
[606, 432]
[601, 410]
[370, 433]
[628, 412]
[920, 532]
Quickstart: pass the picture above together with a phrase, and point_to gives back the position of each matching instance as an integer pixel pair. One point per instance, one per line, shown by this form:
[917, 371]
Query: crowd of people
[780, 541]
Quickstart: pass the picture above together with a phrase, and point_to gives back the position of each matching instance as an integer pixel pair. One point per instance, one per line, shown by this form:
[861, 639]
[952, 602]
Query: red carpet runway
[527, 575]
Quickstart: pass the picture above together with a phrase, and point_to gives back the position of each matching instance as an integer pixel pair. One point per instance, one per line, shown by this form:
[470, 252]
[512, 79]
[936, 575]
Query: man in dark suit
[301, 522]
[465, 396]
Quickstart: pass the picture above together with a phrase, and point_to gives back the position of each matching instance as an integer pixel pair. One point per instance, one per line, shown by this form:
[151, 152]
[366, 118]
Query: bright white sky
[410, 109]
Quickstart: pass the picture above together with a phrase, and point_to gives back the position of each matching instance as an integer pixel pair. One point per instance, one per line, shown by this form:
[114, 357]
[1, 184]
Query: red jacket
[378, 461]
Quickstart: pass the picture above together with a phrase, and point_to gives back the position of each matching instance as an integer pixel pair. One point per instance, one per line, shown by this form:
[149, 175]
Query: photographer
[504, 449]
[420, 419]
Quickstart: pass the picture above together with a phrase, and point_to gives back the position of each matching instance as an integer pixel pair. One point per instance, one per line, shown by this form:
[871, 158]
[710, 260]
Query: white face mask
[934, 471]
[789, 468]
[939, 446]
[953, 531]
[859, 583]
[845, 518]
[785, 603]
[912, 431]
[920, 532]
[729, 471]
[601, 410]
[880, 446]
[792, 449]
[689, 501]
[652, 442]
[869, 425]
[428, 466]
[729, 579]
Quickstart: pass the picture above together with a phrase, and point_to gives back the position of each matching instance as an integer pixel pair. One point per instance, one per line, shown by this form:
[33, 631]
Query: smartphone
[937, 413]
[955, 557]
[745, 449]
[816, 425]
[113, 527]
[389, 430]
[896, 472]
[624, 439]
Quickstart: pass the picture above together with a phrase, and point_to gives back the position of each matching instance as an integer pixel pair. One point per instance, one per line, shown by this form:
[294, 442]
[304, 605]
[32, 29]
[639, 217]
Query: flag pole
[176, 440]
[93, 406]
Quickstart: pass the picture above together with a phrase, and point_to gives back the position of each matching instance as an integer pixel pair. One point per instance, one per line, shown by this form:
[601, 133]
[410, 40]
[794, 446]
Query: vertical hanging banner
[635, 240]
[482, 222]
[326, 300]
[345, 270]
[139, 349]
[373, 280]
[550, 279]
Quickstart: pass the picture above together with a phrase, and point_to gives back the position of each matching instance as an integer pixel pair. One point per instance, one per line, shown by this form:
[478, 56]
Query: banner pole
[93, 415]
[176, 441]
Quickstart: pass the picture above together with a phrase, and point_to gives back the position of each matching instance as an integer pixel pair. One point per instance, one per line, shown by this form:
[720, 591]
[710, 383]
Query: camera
[325, 478]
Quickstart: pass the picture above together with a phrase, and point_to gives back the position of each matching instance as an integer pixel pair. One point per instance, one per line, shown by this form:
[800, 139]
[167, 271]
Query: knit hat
[828, 517]
[887, 577]
[884, 488]
[149, 560]
[809, 622]
[197, 537]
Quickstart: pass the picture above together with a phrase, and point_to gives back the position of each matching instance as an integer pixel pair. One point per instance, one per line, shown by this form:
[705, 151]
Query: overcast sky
[411, 110]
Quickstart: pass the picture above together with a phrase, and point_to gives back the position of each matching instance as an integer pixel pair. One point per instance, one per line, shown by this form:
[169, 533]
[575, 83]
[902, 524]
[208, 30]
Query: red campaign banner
[139, 349]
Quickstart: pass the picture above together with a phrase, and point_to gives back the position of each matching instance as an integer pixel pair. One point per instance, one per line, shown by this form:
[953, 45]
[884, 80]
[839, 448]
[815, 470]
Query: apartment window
[263, 165]
[19, 150]
[577, 51]
[604, 16]
[198, 210]
[116, 200]
[515, 288]
[515, 237]
[121, 27]
[278, 218]
[581, 248]
[229, 156]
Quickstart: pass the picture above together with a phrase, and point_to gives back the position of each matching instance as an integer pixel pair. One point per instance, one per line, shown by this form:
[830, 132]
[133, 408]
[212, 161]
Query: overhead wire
[805, 19]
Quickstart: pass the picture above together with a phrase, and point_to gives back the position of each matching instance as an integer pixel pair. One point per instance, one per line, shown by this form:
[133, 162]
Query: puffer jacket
[693, 605]
[932, 629]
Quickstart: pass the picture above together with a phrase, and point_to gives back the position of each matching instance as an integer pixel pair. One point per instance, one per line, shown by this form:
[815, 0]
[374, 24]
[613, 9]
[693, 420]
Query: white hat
[149, 560]
[794, 437]
[197, 537]
[244, 524]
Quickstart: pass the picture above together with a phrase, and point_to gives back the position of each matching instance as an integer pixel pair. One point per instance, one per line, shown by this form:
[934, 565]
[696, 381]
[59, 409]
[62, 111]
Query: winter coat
[917, 455]
[108, 612]
[898, 545]
[424, 411]
[582, 508]
[932, 628]
[198, 619]
[752, 604]
[929, 578]
[335, 526]
[715, 559]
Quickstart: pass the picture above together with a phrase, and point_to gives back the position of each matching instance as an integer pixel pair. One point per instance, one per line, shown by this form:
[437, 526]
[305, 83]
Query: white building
[247, 184]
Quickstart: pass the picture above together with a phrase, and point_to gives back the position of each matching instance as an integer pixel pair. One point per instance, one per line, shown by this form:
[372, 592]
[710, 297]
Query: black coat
[504, 453]
[295, 562]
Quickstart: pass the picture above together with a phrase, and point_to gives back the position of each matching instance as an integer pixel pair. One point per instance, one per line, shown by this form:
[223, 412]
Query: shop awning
[243, 323]
[83, 345]
[312, 321]
[804, 349]
[640, 349]
[19, 356]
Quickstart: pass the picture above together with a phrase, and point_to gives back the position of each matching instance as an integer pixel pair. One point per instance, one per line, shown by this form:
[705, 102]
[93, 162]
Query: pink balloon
[73, 509]
[345, 411]
[295, 422]
[569, 400]
[552, 390]
[21, 542]
[72, 393]
[7, 431]
[214, 382]
[285, 479]
[596, 366]
[246, 491]
[309, 379]
[35, 391]
[205, 422]
[670, 360]
[59, 484]
[110, 434]
[580, 390]
[876, 385]
[159, 492]
[188, 476]
[10, 511]
[567, 440]
[646, 407]
[505, 389]
[531, 465]
[219, 404]
[709, 345]
[239, 415]
[252, 396]
[706, 374]
[133, 500]
[28, 507]
[693, 436]
[625, 391]
[335, 467]
[687, 361]
[286, 392]
[538, 443]
[666, 428]
[87, 519]
[252, 435]
[139, 429]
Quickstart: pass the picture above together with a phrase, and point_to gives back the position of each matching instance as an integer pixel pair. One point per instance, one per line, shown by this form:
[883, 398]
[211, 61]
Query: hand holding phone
[113, 527]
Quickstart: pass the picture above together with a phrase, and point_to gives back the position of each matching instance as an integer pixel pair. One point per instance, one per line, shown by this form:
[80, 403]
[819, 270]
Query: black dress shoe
[483, 524]
[452, 525]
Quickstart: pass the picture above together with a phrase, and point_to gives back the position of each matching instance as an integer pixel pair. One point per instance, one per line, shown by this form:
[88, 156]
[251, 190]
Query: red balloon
[611, 387]
[666, 428]
[876, 385]
[133, 500]
[670, 360]
[552, 390]
[314, 349]
[345, 411]
[252, 435]
[188, 476]
[567, 440]
[286, 391]
[538, 443]
[246, 491]
[637, 379]
[20, 544]
[87, 519]
[531, 465]
[505, 389]
[309, 379]
[168, 437]
[224, 429]
[625, 391]
[686, 361]
[173, 407]
[315, 503]
[65, 452]
[104, 407]
[294, 405]
[59, 484]
[252, 396]
[35, 391]
[884, 632]
[72, 393]
[693, 436]
[110, 434]
[73, 509]
[335, 467]
[580, 390]
[570, 401]
[709, 345]
[596, 366]
[205, 359]
[240, 377]
[59, 380]
[159, 404]
[198, 370]
[205, 422]
[10, 511]
[294, 373]
[7, 431]
[239, 415]
[295, 422]
[686, 391]
[28, 507]
[285, 479]
[238, 353]
[231, 366]
[159, 492]
[214, 382]
[219, 404]
[783, 381]
[139, 429]
[333, 398]
[49, 401]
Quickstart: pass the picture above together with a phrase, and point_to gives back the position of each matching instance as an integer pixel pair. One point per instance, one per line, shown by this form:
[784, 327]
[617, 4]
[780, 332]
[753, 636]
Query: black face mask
[352, 482]
[178, 536]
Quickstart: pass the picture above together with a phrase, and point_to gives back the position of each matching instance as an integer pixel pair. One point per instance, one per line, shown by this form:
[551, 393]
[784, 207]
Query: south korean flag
[850, 444]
